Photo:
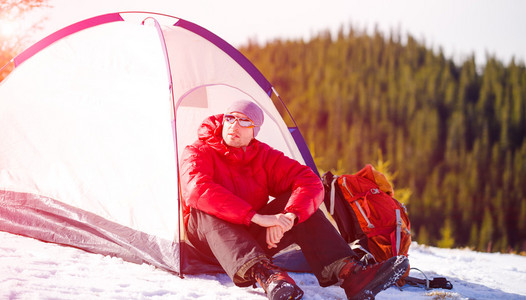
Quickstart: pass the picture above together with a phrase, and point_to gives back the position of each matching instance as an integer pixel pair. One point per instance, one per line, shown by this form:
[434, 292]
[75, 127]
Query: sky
[459, 27]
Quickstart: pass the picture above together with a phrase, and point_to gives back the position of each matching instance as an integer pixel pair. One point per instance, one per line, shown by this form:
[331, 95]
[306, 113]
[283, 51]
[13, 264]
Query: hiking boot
[364, 282]
[277, 283]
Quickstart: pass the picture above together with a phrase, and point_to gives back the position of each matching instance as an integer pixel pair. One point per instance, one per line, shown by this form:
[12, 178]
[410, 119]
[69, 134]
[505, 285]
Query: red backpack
[367, 215]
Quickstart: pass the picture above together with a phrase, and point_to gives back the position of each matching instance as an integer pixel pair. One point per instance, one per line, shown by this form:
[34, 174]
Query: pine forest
[452, 134]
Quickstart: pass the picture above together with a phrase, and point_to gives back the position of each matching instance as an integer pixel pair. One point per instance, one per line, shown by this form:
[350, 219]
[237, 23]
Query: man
[227, 177]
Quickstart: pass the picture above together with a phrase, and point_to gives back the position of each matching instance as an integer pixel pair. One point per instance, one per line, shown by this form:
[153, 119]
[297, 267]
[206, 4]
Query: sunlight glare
[7, 28]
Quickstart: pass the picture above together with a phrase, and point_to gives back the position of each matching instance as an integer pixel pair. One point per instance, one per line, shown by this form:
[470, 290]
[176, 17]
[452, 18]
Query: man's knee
[202, 223]
[318, 218]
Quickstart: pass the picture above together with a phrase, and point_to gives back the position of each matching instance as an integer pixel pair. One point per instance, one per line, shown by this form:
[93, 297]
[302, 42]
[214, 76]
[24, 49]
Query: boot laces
[264, 272]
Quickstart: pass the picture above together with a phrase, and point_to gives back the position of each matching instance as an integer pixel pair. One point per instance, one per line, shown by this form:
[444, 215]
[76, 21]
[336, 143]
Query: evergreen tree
[486, 232]
[423, 236]
[447, 240]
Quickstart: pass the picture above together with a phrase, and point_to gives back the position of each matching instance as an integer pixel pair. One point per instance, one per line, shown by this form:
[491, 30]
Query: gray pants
[234, 246]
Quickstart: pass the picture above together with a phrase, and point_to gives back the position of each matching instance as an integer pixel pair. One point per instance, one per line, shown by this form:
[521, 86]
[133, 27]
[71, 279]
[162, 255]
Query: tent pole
[174, 129]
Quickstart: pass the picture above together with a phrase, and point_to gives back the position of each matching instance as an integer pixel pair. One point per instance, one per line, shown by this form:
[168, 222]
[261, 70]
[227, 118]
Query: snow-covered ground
[31, 269]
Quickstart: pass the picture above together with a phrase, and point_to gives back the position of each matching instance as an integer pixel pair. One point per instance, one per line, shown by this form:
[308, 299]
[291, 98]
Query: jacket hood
[211, 129]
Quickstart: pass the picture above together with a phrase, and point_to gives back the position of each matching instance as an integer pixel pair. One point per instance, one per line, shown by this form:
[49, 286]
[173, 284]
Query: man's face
[235, 135]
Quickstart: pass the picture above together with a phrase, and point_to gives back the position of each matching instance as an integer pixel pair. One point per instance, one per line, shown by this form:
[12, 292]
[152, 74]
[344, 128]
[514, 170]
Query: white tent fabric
[86, 123]
[93, 120]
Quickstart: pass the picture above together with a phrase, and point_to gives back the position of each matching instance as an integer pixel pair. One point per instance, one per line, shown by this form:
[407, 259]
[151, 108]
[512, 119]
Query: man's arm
[200, 191]
[285, 175]
[285, 221]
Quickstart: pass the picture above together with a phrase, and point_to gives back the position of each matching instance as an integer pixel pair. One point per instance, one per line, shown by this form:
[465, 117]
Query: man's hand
[285, 221]
[274, 235]
[276, 225]
[292, 217]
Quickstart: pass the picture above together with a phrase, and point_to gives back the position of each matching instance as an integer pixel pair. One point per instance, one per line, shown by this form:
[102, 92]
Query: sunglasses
[243, 122]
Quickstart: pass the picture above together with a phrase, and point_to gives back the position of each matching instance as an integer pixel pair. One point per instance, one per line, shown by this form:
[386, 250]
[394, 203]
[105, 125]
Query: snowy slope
[30, 269]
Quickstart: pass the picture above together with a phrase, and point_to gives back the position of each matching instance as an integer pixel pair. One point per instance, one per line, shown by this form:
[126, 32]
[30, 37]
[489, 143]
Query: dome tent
[94, 118]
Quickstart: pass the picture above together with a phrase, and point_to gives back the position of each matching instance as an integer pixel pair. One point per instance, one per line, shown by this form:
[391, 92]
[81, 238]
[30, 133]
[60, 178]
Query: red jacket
[233, 184]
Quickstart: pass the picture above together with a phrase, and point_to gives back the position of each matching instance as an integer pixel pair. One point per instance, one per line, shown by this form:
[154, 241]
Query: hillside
[453, 134]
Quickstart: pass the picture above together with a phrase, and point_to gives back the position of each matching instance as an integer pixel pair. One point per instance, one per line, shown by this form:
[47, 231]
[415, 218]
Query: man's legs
[240, 255]
[321, 244]
[329, 256]
[232, 245]
[332, 260]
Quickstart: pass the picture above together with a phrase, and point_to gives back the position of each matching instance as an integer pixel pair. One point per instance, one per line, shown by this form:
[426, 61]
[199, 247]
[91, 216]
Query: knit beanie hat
[249, 109]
